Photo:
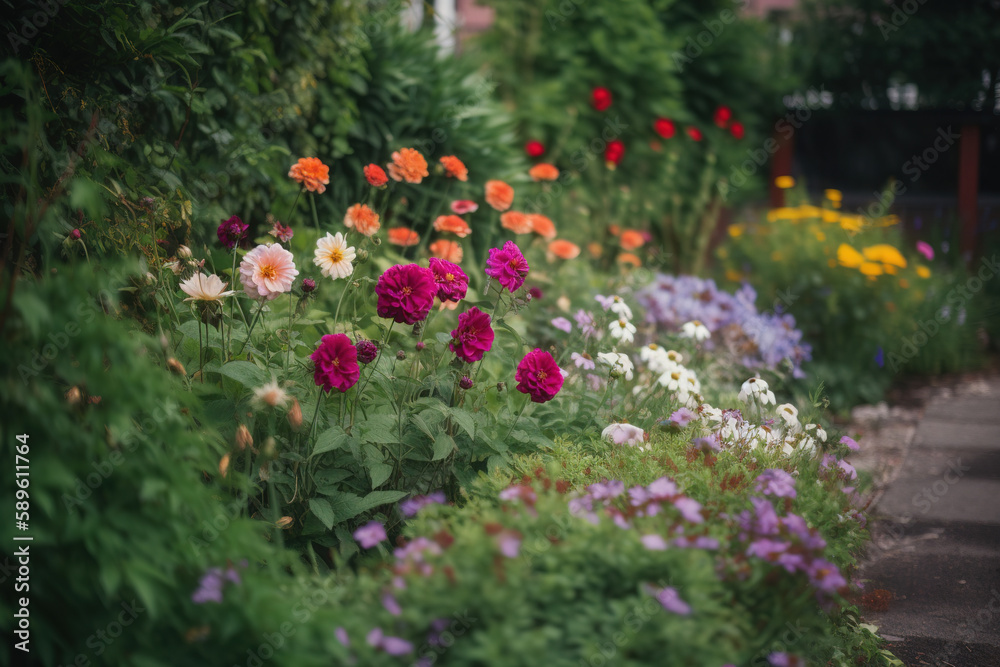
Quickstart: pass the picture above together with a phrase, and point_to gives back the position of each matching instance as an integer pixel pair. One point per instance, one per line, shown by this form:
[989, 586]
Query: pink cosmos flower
[371, 533]
[336, 363]
[473, 337]
[463, 206]
[509, 542]
[654, 542]
[925, 249]
[539, 376]
[508, 266]
[267, 271]
[406, 293]
[452, 283]
[562, 324]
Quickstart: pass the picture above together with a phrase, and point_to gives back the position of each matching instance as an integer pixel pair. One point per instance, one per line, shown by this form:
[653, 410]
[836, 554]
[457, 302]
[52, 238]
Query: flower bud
[243, 437]
[308, 285]
[401, 355]
[376, 241]
[184, 252]
[465, 382]
[75, 234]
[421, 345]
[501, 386]
[285, 522]
[367, 351]
[295, 415]
[176, 367]
[224, 465]
[270, 448]
[150, 278]
[265, 472]
[361, 256]
[73, 396]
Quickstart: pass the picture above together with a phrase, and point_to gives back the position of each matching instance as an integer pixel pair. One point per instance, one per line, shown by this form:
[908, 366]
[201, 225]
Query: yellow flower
[836, 204]
[736, 230]
[923, 272]
[833, 195]
[810, 211]
[820, 236]
[870, 269]
[888, 221]
[734, 275]
[783, 213]
[830, 216]
[851, 223]
[784, 182]
[849, 257]
[885, 253]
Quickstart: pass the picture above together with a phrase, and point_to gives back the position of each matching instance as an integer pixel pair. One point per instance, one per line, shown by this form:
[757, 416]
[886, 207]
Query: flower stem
[312, 424]
[523, 406]
[288, 334]
[312, 205]
[252, 325]
[296, 201]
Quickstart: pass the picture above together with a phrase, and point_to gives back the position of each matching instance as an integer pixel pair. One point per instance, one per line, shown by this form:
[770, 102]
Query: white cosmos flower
[820, 433]
[655, 358]
[756, 389]
[200, 287]
[695, 329]
[334, 257]
[620, 308]
[790, 415]
[618, 362]
[623, 330]
[624, 434]
[270, 394]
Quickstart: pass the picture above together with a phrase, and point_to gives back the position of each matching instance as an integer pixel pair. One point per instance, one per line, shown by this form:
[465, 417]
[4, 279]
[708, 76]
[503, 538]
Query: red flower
[375, 176]
[452, 283]
[736, 129]
[722, 116]
[539, 376]
[534, 148]
[473, 337]
[405, 293]
[664, 127]
[694, 133]
[336, 362]
[600, 98]
[614, 152]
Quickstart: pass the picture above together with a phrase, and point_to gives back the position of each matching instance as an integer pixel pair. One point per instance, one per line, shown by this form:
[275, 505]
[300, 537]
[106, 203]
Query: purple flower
[367, 351]
[308, 285]
[405, 293]
[671, 601]
[776, 482]
[850, 442]
[594, 382]
[825, 576]
[391, 645]
[411, 506]
[341, 635]
[212, 582]
[465, 382]
[848, 469]
[510, 543]
[562, 324]
[370, 534]
[473, 337]
[690, 509]
[508, 266]
[711, 443]
[75, 234]
[452, 283]
[585, 320]
[762, 521]
[654, 542]
[766, 548]
[606, 490]
[391, 605]
[584, 361]
[662, 489]
[682, 417]
[232, 232]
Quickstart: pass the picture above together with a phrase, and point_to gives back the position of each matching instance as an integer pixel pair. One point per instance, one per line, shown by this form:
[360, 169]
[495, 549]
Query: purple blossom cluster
[213, 581]
[761, 340]
[411, 506]
[790, 543]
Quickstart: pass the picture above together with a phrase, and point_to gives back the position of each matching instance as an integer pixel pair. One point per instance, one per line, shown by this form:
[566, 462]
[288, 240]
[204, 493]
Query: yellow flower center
[540, 375]
[407, 290]
[336, 255]
[449, 277]
[268, 272]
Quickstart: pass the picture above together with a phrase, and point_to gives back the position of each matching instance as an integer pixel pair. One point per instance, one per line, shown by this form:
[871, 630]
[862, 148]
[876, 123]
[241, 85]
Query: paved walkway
[934, 567]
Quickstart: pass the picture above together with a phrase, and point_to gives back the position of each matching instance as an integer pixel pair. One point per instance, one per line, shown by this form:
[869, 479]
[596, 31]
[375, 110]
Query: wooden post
[968, 188]
[781, 165]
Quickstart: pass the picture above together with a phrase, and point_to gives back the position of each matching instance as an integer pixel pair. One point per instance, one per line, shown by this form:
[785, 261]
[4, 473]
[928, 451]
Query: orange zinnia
[629, 258]
[311, 173]
[543, 172]
[454, 167]
[542, 226]
[499, 195]
[516, 222]
[375, 176]
[453, 224]
[631, 239]
[403, 236]
[408, 165]
[450, 251]
[564, 249]
[362, 219]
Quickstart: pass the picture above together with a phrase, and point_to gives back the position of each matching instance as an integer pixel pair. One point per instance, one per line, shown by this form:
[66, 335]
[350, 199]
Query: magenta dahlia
[336, 362]
[452, 283]
[232, 232]
[508, 266]
[539, 376]
[406, 293]
[473, 337]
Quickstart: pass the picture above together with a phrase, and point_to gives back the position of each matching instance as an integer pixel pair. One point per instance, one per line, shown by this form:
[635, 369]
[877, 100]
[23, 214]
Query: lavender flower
[562, 324]
[370, 534]
[776, 482]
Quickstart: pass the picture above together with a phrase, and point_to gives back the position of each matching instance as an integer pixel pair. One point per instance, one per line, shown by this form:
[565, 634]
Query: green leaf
[379, 498]
[379, 428]
[444, 445]
[244, 372]
[329, 440]
[464, 419]
[321, 508]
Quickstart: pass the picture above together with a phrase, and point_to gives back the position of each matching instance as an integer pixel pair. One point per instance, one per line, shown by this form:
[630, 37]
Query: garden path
[933, 569]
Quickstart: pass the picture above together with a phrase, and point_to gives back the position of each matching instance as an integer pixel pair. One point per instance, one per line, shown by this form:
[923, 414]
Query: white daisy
[655, 358]
[695, 329]
[618, 362]
[334, 257]
[623, 330]
[205, 288]
[755, 388]
[620, 308]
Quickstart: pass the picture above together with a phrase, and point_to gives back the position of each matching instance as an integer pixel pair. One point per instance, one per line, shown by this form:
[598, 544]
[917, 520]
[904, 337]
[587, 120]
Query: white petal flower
[205, 288]
[624, 434]
[618, 362]
[334, 257]
[620, 308]
[270, 394]
[754, 387]
[623, 330]
[695, 329]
